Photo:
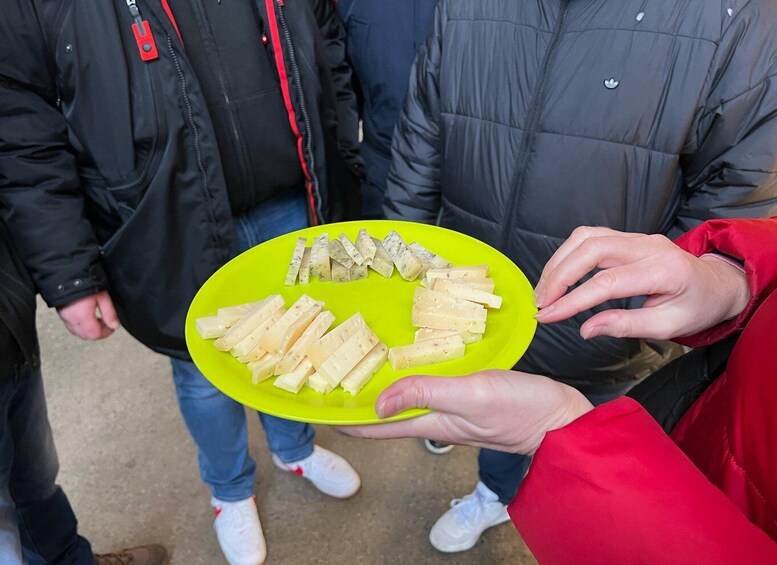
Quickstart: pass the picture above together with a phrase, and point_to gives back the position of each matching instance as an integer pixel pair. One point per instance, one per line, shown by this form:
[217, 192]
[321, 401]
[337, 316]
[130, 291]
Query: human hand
[81, 316]
[501, 410]
[686, 294]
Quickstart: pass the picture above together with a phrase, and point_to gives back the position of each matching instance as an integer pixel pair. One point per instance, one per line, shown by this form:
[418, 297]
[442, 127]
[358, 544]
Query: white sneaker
[329, 473]
[438, 447]
[239, 531]
[460, 527]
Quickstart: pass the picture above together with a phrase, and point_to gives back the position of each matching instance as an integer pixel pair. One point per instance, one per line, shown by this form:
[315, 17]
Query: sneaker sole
[468, 546]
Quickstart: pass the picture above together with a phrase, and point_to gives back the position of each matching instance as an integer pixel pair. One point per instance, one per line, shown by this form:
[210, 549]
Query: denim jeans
[37, 522]
[503, 472]
[216, 422]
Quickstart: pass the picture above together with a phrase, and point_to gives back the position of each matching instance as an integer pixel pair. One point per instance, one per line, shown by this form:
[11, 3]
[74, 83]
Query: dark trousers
[503, 472]
[37, 522]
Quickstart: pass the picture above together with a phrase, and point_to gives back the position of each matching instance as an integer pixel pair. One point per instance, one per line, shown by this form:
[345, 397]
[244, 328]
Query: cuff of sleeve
[65, 292]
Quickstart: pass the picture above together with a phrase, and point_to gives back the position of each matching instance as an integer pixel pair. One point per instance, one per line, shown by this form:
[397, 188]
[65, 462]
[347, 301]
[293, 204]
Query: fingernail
[386, 408]
[545, 312]
[114, 324]
[588, 333]
[539, 296]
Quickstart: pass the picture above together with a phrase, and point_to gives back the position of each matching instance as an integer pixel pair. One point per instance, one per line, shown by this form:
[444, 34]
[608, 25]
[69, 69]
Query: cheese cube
[426, 352]
[314, 331]
[296, 261]
[319, 384]
[426, 334]
[484, 284]
[407, 264]
[447, 286]
[274, 339]
[366, 246]
[338, 253]
[304, 268]
[359, 272]
[250, 343]
[381, 262]
[210, 327]
[231, 315]
[264, 310]
[340, 273]
[320, 350]
[353, 253]
[361, 374]
[295, 380]
[319, 258]
[264, 368]
[348, 355]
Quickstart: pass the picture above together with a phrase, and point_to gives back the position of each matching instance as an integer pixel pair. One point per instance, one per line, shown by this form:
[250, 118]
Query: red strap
[171, 17]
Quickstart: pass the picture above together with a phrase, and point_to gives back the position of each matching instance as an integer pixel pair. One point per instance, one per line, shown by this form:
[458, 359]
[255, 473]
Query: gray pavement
[130, 471]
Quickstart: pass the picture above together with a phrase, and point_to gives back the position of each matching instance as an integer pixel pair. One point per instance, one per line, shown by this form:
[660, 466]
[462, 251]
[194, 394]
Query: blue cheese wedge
[351, 250]
[359, 272]
[428, 259]
[319, 258]
[340, 273]
[304, 267]
[361, 374]
[210, 327]
[338, 253]
[348, 355]
[296, 261]
[366, 246]
[293, 381]
[407, 264]
[426, 352]
[381, 262]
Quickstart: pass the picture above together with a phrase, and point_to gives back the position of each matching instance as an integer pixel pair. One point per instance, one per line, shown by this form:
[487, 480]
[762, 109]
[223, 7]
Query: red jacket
[612, 487]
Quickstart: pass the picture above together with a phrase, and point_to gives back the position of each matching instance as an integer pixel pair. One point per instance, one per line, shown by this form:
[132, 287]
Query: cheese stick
[366, 246]
[294, 380]
[426, 352]
[361, 374]
[296, 261]
[407, 264]
[210, 327]
[248, 323]
[314, 331]
[304, 268]
[347, 356]
[352, 252]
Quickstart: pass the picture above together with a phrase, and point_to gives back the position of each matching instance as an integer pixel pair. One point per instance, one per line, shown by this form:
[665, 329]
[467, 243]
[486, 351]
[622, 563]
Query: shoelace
[468, 509]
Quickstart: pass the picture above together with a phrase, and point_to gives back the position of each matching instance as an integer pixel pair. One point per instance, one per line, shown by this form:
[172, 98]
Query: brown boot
[144, 555]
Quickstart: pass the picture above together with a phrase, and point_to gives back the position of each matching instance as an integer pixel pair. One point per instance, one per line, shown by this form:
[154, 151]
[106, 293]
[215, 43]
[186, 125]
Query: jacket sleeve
[335, 45]
[413, 185]
[612, 487]
[754, 242]
[40, 192]
[731, 169]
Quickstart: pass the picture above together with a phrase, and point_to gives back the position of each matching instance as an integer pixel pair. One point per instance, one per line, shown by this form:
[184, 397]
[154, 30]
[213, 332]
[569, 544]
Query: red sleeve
[754, 242]
[612, 487]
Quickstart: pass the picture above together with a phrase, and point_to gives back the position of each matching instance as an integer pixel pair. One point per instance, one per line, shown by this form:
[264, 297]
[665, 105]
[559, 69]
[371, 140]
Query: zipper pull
[143, 36]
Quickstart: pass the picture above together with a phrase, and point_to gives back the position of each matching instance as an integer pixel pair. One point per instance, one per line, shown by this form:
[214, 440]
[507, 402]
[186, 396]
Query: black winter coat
[109, 170]
[526, 119]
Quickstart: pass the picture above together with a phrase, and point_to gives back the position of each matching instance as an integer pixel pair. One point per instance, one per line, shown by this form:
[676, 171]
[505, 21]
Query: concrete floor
[129, 469]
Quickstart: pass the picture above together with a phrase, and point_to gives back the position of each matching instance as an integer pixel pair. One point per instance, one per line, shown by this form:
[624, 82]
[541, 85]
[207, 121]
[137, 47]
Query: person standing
[37, 523]
[525, 120]
[143, 144]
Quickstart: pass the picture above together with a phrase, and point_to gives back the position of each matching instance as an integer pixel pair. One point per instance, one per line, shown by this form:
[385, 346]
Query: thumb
[107, 311]
[435, 393]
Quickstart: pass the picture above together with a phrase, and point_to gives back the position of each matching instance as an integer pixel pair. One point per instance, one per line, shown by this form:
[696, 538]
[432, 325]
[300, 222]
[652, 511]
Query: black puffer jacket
[109, 170]
[18, 338]
[526, 119]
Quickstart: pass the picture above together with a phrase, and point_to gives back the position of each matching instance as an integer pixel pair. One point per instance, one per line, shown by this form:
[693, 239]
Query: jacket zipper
[197, 148]
[303, 108]
[528, 137]
[245, 169]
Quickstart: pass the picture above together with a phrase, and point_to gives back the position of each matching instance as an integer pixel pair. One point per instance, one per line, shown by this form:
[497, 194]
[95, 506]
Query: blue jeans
[37, 522]
[216, 422]
[503, 472]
